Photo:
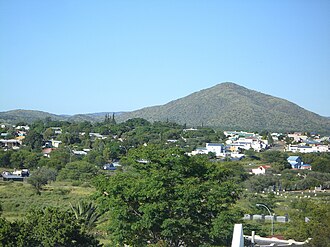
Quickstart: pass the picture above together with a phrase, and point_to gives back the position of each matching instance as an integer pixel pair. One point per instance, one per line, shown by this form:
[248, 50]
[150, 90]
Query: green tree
[111, 151]
[78, 170]
[33, 139]
[5, 158]
[31, 160]
[48, 134]
[41, 177]
[24, 159]
[95, 157]
[48, 227]
[270, 139]
[58, 158]
[8, 233]
[166, 196]
[258, 183]
[274, 156]
[321, 165]
[19, 157]
[311, 219]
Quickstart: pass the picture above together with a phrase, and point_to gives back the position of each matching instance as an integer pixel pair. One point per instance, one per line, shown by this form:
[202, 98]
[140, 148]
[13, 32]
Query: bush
[41, 177]
[78, 171]
[48, 227]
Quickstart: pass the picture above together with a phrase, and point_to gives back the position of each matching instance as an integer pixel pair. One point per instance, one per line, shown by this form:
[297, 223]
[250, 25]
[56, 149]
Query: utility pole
[272, 216]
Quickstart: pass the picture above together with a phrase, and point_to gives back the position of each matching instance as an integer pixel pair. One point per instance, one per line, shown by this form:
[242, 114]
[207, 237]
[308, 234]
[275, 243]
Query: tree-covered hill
[29, 116]
[226, 105]
[231, 106]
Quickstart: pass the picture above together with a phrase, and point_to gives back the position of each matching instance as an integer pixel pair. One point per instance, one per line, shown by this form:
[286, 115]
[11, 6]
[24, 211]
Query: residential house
[79, 152]
[111, 166]
[217, 148]
[23, 127]
[11, 143]
[22, 173]
[306, 167]
[55, 143]
[261, 170]
[97, 136]
[295, 162]
[239, 134]
[247, 143]
[57, 130]
[46, 152]
[198, 151]
[319, 148]
[298, 137]
[8, 176]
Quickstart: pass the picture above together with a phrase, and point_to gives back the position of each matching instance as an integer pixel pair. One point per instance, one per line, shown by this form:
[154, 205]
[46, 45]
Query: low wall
[276, 218]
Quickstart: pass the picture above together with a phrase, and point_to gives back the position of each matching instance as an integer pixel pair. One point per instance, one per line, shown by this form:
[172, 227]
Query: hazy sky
[67, 56]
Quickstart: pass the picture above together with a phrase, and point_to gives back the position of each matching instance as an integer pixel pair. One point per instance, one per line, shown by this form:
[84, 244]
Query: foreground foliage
[48, 227]
[310, 220]
[167, 197]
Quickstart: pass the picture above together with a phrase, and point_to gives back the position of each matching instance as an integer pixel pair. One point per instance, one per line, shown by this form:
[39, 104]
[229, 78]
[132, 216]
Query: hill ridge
[225, 105]
[229, 105]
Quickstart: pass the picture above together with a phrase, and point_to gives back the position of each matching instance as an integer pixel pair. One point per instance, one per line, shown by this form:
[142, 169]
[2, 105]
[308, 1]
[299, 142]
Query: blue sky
[68, 57]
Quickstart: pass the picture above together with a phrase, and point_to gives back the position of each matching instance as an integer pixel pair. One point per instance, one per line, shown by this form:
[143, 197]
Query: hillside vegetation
[226, 105]
[231, 106]
[30, 116]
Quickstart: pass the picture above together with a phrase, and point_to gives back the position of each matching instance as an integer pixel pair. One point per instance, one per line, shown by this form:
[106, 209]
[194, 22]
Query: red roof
[47, 150]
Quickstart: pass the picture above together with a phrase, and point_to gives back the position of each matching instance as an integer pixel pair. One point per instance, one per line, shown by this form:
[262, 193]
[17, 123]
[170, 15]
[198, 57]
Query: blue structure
[109, 167]
[295, 162]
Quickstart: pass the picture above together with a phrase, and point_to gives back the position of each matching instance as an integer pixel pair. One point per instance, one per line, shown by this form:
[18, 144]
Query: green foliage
[48, 134]
[302, 180]
[58, 158]
[5, 158]
[231, 106]
[78, 170]
[47, 228]
[95, 157]
[24, 159]
[17, 198]
[317, 225]
[169, 198]
[322, 165]
[258, 183]
[41, 177]
[34, 139]
[86, 214]
[8, 233]
[274, 156]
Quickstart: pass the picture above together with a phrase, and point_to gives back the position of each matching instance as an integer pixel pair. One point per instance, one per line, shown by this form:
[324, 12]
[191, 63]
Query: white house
[55, 143]
[217, 148]
[298, 137]
[247, 143]
[79, 152]
[261, 170]
[23, 127]
[308, 149]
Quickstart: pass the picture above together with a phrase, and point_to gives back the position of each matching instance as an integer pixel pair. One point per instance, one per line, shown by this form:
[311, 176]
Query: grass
[18, 197]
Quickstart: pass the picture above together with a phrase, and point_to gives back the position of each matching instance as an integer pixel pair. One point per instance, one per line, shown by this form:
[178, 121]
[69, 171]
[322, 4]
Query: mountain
[230, 106]
[30, 116]
[226, 105]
